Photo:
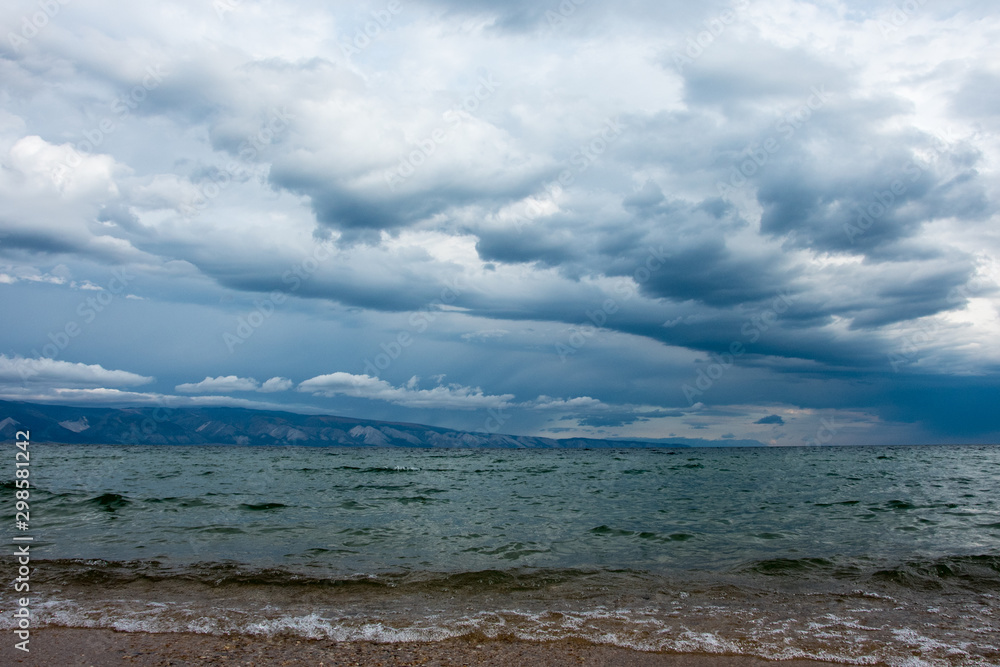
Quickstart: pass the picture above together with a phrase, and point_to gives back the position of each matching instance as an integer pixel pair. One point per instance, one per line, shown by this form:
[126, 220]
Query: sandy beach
[72, 647]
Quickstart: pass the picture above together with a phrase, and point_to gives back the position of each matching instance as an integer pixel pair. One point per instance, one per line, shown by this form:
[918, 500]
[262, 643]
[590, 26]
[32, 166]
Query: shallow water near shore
[857, 555]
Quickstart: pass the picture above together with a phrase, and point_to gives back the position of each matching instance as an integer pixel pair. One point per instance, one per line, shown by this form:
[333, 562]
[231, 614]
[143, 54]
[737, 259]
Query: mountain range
[240, 426]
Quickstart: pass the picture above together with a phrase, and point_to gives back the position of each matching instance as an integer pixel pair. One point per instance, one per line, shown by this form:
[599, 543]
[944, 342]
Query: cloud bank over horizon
[771, 220]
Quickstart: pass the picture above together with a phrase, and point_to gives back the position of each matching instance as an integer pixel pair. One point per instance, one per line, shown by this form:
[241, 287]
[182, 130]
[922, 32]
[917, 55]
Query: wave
[109, 502]
[603, 626]
[262, 507]
[68, 572]
[963, 574]
[380, 469]
[642, 535]
[732, 614]
[972, 573]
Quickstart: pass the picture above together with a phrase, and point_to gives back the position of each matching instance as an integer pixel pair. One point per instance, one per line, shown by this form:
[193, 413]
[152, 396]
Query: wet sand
[72, 647]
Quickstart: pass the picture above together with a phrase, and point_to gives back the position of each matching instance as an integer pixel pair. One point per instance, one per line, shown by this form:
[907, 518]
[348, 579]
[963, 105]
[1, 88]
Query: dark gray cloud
[740, 75]
[36, 243]
[775, 420]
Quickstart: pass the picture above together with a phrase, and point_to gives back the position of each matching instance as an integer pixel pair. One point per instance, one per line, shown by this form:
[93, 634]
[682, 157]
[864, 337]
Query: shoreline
[95, 647]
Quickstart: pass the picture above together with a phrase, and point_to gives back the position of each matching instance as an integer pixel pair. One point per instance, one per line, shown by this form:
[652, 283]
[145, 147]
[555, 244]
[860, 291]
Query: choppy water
[860, 555]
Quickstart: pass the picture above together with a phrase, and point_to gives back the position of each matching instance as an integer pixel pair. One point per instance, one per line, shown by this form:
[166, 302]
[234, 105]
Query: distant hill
[239, 426]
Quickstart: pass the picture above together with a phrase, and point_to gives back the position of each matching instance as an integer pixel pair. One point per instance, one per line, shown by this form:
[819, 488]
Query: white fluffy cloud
[275, 385]
[231, 383]
[120, 398]
[16, 371]
[219, 385]
[452, 396]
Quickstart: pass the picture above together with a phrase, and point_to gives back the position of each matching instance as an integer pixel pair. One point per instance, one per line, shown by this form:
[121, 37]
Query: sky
[758, 219]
